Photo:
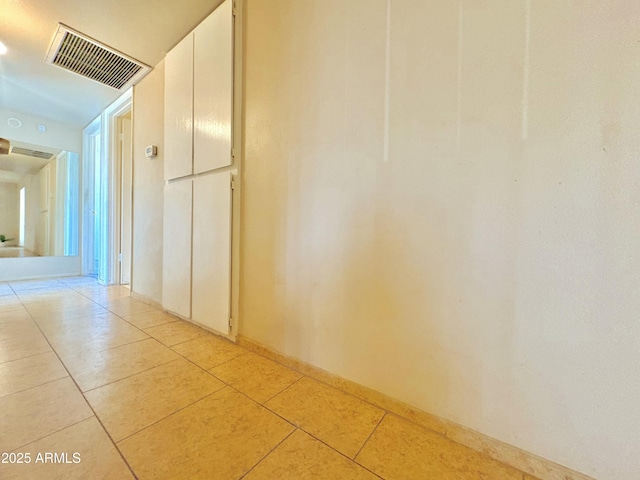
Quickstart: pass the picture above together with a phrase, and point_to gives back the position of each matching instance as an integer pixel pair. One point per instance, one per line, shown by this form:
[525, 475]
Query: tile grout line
[52, 433]
[171, 414]
[188, 323]
[302, 375]
[299, 427]
[129, 376]
[223, 363]
[323, 382]
[86, 401]
[115, 444]
[227, 385]
[295, 429]
[379, 407]
[64, 288]
[199, 366]
[29, 356]
[369, 437]
[312, 435]
[36, 386]
[166, 346]
[224, 384]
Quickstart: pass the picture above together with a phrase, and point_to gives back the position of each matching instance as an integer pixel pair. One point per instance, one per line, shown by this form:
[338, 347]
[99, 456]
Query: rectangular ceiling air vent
[31, 153]
[84, 56]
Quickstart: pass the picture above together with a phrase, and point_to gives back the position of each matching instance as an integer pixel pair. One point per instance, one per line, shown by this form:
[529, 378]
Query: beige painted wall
[9, 211]
[444, 204]
[148, 183]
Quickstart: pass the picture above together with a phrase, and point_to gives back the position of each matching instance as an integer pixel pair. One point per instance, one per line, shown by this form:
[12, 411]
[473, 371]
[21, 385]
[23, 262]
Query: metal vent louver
[31, 153]
[84, 56]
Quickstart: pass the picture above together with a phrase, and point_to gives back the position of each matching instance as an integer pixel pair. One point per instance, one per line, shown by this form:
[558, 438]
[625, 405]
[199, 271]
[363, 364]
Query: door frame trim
[118, 108]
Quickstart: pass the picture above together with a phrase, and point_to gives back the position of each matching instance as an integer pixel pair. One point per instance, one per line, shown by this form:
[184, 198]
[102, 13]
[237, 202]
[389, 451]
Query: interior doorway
[117, 130]
[107, 194]
[94, 238]
[125, 161]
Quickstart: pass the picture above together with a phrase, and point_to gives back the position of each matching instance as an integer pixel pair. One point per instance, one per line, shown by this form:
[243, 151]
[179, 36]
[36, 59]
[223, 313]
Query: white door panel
[213, 90]
[176, 279]
[178, 110]
[212, 251]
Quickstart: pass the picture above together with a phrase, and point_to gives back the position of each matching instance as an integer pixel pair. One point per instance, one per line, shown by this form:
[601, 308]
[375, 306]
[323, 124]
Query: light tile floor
[95, 384]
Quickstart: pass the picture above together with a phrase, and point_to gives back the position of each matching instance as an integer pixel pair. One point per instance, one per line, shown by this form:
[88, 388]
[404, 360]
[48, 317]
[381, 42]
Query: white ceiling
[142, 29]
[14, 166]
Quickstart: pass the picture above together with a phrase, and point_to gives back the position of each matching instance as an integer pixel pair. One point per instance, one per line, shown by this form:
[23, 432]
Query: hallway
[115, 388]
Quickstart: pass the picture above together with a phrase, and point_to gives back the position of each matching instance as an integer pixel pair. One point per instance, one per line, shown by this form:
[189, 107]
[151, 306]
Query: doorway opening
[107, 194]
[124, 159]
[94, 239]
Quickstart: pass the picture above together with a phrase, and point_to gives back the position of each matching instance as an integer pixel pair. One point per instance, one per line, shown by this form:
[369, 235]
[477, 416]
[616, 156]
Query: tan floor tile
[115, 291]
[29, 372]
[94, 370]
[129, 405]
[10, 306]
[35, 413]
[53, 300]
[256, 376]
[8, 297]
[102, 294]
[79, 281]
[150, 319]
[36, 298]
[90, 289]
[208, 351]
[69, 297]
[5, 289]
[91, 334]
[17, 330]
[24, 285]
[17, 348]
[221, 437]
[98, 457]
[399, 449]
[62, 313]
[45, 294]
[302, 457]
[127, 306]
[175, 332]
[43, 308]
[20, 315]
[87, 323]
[338, 419]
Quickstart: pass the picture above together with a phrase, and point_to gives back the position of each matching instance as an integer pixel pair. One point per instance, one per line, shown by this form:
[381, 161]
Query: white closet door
[178, 110]
[212, 251]
[176, 277]
[213, 90]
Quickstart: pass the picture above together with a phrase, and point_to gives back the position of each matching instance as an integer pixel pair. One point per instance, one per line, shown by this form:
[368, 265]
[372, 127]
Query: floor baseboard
[533, 466]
